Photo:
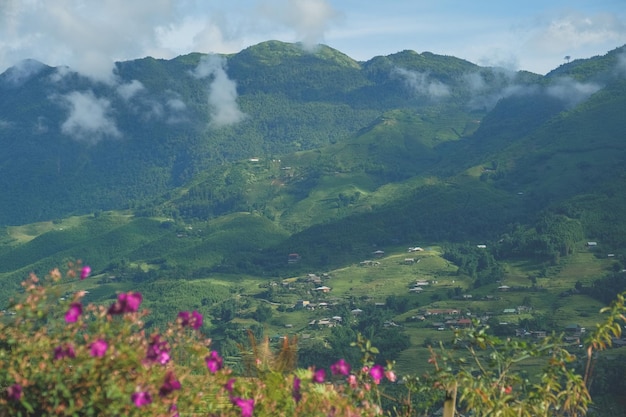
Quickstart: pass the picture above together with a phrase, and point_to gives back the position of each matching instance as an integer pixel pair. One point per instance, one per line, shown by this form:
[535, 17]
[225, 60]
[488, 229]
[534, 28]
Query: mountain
[72, 145]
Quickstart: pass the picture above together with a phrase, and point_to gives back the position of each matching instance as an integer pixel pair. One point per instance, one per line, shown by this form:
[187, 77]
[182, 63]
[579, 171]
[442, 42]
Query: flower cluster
[109, 366]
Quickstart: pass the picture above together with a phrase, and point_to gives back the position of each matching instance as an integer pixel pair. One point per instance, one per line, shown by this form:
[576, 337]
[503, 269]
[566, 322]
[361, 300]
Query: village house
[443, 312]
[464, 322]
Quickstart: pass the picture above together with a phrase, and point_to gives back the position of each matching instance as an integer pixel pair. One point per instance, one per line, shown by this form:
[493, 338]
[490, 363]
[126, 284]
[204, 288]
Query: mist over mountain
[73, 145]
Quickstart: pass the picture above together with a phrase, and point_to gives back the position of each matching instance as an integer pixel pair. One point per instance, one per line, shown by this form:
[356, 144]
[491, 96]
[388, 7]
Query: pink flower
[376, 373]
[72, 314]
[319, 376]
[295, 391]
[84, 273]
[98, 348]
[141, 398]
[391, 376]
[190, 319]
[247, 406]
[158, 350]
[230, 385]
[66, 351]
[352, 381]
[214, 362]
[14, 392]
[126, 303]
[341, 367]
[174, 410]
[170, 384]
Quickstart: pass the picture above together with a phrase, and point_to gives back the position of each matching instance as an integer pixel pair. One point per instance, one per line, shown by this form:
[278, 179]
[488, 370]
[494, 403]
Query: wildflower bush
[64, 358]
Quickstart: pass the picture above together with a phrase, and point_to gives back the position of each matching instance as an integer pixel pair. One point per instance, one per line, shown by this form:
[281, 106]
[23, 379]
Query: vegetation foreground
[61, 357]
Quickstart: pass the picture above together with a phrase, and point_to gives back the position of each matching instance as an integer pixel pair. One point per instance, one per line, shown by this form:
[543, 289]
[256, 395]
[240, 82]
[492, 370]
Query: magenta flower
[170, 384]
[126, 303]
[246, 405]
[341, 367]
[84, 273]
[66, 351]
[98, 348]
[193, 319]
[295, 391]
[72, 314]
[230, 385]
[377, 373]
[174, 410]
[158, 350]
[214, 362]
[319, 376]
[14, 392]
[141, 398]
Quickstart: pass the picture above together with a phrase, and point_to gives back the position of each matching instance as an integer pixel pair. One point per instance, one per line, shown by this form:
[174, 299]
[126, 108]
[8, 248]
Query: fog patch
[23, 71]
[570, 91]
[89, 119]
[129, 90]
[422, 84]
[222, 98]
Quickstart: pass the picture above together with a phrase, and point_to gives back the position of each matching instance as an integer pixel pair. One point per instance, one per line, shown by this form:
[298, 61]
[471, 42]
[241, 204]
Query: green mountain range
[206, 180]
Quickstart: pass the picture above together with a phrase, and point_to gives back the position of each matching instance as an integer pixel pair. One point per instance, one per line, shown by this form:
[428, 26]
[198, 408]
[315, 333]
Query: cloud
[90, 37]
[22, 72]
[309, 19]
[87, 37]
[89, 117]
[575, 30]
[570, 91]
[223, 107]
[487, 88]
[128, 90]
[422, 84]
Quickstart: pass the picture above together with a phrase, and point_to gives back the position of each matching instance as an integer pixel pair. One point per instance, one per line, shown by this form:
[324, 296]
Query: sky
[90, 35]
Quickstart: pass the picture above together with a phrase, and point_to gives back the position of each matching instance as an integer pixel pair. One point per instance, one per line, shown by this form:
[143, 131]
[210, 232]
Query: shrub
[64, 358]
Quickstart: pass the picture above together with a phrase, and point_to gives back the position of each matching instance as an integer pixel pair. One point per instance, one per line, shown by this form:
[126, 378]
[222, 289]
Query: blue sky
[89, 35]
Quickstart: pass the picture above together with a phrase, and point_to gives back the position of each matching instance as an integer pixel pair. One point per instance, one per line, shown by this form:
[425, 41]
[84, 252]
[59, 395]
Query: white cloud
[89, 119]
[309, 19]
[23, 71]
[87, 37]
[421, 83]
[575, 30]
[128, 90]
[570, 91]
[223, 107]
